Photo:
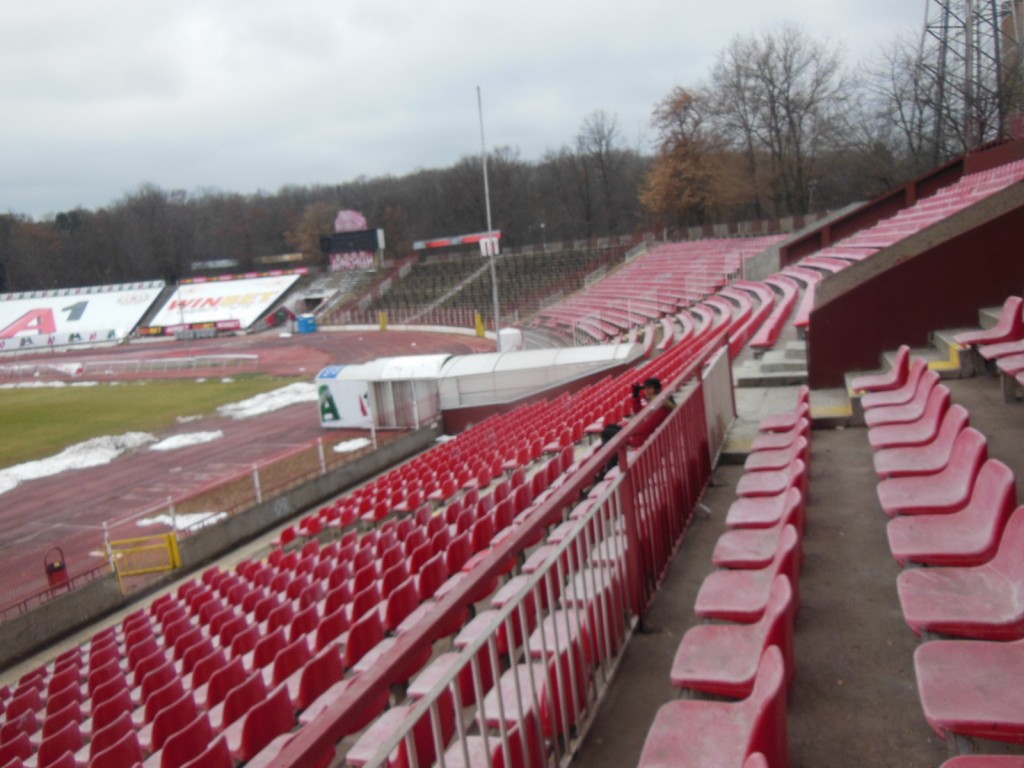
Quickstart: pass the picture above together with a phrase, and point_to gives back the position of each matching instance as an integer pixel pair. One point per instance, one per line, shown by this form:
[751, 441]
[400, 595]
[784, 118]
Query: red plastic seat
[776, 459]
[755, 484]
[431, 576]
[704, 733]
[29, 700]
[305, 621]
[894, 378]
[442, 711]
[108, 736]
[18, 746]
[523, 752]
[331, 627]
[123, 753]
[56, 745]
[206, 666]
[442, 664]
[908, 412]
[187, 743]
[196, 653]
[985, 761]
[969, 536]
[902, 394]
[972, 688]
[945, 491]
[160, 698]
[922, 431]
[927, 458]
[217, 755]
[264, 722]
[773, 441]
[289, 660]
[280, 617]
[168, 722]
[319, 674]
[240, 699]
[222, 681]
[764, 511]
[113, 707]
[402, 601]
[742, 595]
[982, 601]
[267, 648]
[722, 659]
[362, 637]
[755, 547]
[71, 712]
[365, 601]
[1009, 327]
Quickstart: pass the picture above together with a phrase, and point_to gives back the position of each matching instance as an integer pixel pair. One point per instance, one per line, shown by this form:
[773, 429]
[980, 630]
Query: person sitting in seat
[643, 394]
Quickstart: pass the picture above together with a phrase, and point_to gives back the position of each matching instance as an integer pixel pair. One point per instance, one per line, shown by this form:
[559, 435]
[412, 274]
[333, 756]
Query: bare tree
[781, 98]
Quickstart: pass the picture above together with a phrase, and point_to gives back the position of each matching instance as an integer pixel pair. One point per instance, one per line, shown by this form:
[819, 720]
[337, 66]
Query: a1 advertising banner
[77, 316]
[224, 301]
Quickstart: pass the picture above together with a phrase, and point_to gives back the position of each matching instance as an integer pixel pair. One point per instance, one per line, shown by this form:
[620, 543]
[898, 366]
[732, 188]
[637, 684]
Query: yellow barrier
[149, 554]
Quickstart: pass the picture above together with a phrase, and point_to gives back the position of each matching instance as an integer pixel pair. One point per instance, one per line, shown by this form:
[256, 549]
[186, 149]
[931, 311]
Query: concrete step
[751, 374]
[796, 350]
[781, 362]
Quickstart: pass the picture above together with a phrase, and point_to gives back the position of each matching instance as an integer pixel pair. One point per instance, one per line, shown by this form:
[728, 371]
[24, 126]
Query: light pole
[487, 205]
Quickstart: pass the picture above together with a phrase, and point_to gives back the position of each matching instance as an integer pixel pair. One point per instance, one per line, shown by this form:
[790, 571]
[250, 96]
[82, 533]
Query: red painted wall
[940, 288]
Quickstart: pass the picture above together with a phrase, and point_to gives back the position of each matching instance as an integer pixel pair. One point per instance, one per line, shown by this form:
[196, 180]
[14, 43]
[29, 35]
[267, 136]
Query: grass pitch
[39, 422]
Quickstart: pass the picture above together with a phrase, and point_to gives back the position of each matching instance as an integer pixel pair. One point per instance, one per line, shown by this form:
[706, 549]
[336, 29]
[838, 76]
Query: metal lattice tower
[971, 49]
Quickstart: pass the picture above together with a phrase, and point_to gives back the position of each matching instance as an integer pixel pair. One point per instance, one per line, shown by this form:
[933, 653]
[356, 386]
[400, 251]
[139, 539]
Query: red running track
[68, 510]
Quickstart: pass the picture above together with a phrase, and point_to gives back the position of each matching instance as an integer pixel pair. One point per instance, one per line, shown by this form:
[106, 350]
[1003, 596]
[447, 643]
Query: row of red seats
[570, 623]
[748, 661]
[1002, 344]
[949, 200]
[217, 633]
[656, 284]
[952, 510]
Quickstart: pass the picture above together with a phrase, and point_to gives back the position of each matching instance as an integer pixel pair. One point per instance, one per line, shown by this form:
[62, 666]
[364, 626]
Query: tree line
[781, 126]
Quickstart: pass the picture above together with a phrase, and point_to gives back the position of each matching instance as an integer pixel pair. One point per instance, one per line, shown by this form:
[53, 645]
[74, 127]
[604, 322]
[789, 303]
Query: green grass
[39, 422]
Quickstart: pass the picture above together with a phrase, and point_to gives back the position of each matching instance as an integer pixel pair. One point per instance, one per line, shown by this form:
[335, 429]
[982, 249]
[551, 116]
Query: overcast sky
[99, 97]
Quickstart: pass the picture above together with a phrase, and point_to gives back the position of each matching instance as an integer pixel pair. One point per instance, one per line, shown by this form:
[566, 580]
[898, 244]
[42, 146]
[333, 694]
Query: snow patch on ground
[351, 445]
[184, 441]
[187, 522]
[271, 401]
[91, 453]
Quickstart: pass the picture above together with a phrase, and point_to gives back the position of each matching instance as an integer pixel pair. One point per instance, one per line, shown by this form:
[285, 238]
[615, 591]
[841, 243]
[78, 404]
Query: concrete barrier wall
[31, 633]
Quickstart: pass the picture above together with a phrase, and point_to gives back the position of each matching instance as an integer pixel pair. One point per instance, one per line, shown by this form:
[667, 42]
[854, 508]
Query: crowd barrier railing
[549, 651]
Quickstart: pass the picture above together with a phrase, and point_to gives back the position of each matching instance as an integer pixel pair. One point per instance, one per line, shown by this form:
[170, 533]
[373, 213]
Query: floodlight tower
[971, 50]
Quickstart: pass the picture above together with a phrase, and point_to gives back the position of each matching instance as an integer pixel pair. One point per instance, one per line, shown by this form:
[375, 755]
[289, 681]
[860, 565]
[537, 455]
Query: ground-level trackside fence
[25, 587]
[144, 555]
[99, 368]
[526, 677]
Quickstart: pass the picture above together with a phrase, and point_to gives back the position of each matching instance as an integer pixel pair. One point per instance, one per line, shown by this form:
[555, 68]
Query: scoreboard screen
[352, 242]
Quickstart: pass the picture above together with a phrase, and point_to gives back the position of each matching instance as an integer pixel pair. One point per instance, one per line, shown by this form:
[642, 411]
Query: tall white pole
[487, 205]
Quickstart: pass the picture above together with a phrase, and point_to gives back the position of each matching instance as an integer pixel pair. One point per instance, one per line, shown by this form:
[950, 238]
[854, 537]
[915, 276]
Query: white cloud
[101, 97]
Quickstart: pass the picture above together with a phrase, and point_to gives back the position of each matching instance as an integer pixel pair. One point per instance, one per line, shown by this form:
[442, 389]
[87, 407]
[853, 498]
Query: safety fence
[525, 676]
[25, 586]
[98, 368]
[144, 555]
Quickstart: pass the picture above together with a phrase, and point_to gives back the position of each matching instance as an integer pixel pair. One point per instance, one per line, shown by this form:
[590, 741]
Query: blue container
[307, 324]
